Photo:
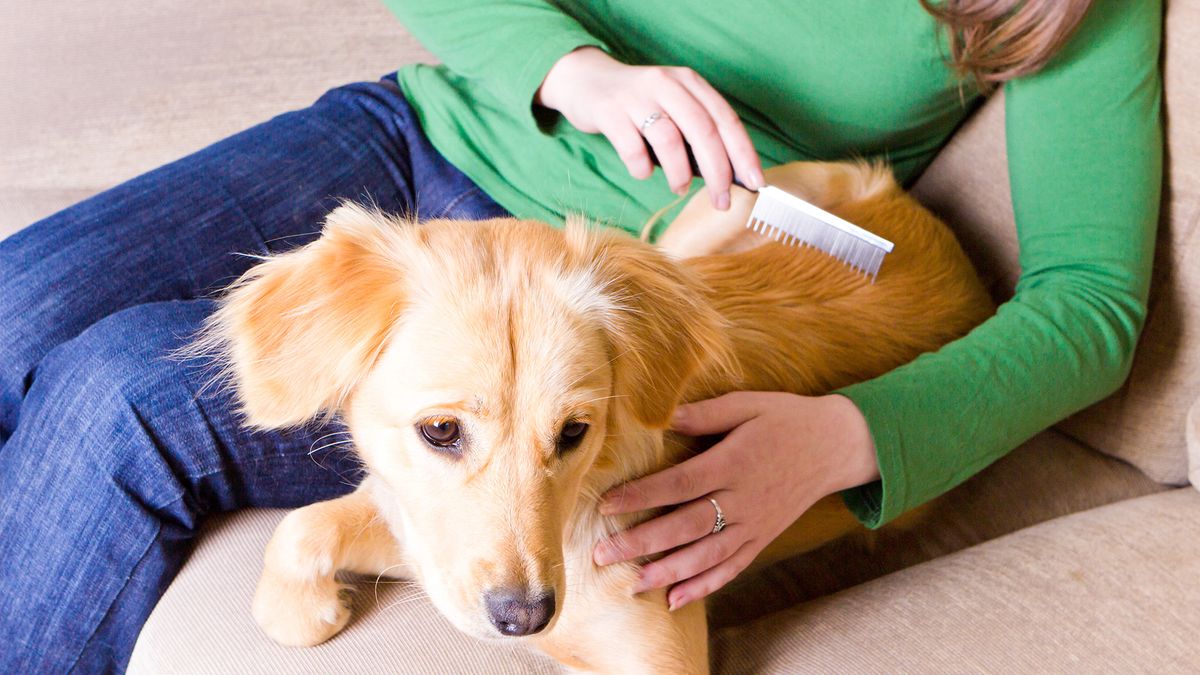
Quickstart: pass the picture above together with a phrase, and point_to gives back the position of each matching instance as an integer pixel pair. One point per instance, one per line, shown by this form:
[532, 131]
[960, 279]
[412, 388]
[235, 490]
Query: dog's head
[486, 371]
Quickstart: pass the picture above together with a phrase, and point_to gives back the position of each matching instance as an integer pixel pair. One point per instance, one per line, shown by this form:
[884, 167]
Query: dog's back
[803, 322]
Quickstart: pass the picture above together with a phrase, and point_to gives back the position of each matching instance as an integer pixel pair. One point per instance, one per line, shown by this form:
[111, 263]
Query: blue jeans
[109, 458]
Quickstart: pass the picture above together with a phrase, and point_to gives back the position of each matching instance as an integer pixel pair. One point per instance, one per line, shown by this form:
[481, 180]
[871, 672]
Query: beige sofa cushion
[96, 93]
[203, 623]
[1143, 423]
[1048, 477]
[1112, 590]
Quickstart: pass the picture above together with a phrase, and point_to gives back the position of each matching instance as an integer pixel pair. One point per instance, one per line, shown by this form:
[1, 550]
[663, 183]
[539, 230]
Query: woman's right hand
[598, 94]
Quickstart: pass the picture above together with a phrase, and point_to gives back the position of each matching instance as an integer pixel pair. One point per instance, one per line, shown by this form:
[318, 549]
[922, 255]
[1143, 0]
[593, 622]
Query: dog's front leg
[604, 628]
[299, 602]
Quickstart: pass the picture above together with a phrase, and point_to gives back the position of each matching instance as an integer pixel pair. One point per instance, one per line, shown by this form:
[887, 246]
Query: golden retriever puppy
[498, 376]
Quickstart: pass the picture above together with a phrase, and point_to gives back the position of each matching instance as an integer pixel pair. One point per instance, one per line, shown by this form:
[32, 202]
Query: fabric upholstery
[1109, 590]
[1048, 477]
[97, 93]
[967, 184]
[203, 623]
[1193, 441]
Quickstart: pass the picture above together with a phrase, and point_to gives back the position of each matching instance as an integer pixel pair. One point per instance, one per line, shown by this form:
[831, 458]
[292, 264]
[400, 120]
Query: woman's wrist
[563, 72]
[857, 463]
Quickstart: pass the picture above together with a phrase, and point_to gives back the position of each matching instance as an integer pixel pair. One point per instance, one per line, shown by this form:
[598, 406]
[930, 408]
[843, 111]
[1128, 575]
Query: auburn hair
[993, 41]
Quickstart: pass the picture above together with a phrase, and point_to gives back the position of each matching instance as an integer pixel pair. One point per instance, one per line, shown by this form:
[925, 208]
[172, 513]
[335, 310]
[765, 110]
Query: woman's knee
[109, 404]
[119, 403]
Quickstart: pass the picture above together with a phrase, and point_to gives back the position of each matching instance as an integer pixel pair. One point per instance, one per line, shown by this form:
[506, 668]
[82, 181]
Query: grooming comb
[786, 218]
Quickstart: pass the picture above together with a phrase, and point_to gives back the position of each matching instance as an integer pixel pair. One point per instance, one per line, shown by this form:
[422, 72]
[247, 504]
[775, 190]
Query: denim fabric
[109, 457]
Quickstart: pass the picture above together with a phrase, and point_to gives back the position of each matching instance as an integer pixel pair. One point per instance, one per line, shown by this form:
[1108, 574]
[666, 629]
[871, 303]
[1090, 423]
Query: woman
[111, 459]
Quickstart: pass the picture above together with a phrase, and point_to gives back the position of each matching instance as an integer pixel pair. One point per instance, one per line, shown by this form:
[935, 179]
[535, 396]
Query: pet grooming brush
[789, 219]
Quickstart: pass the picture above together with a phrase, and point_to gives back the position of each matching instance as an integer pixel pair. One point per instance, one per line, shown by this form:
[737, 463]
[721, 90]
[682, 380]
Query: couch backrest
[1143, 423]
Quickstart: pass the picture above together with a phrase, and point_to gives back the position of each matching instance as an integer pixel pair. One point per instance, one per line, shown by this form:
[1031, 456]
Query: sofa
[1077, 552]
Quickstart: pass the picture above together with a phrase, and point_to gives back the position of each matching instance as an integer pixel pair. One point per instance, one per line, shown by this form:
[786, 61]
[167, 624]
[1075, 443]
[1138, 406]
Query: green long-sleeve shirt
[814, 79]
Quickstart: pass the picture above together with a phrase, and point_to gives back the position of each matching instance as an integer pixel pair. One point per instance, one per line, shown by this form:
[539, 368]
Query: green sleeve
[508, 46]
[1085, 162]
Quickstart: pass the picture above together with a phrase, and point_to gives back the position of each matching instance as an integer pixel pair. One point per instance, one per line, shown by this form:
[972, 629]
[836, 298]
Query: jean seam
[458, 200]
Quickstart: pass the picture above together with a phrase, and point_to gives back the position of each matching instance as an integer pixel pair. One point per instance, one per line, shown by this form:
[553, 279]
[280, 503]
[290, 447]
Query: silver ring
[719, 524]
[651, 119]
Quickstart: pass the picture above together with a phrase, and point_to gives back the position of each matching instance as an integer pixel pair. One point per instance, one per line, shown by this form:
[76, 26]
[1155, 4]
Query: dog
[497, 377]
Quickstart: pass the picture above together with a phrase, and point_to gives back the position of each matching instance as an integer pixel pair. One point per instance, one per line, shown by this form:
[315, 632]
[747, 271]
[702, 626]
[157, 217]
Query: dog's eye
[441, 433]
[571, 435]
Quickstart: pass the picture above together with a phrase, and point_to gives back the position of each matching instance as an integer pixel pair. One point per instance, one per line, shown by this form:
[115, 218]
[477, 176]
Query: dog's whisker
[415, 597]
[335, 444]
[380, 576]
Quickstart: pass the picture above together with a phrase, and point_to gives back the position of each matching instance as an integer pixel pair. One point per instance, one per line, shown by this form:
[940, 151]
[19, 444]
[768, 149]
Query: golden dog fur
[513, 329]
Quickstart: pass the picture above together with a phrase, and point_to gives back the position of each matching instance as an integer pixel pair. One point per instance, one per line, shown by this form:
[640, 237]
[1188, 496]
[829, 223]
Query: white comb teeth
[788, 219]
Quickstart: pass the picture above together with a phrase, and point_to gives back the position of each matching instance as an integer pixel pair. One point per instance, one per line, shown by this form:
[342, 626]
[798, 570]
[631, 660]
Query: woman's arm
[1085, 158]
[1085, 162]
[530, 51]
[509, 45]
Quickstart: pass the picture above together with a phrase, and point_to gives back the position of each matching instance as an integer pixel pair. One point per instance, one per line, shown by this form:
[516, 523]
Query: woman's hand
[782, 453]
[598, 94]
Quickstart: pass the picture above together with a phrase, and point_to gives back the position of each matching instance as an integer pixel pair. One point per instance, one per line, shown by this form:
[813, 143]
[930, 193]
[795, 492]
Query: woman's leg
[108, 476]
[112, 459]
[175, 233]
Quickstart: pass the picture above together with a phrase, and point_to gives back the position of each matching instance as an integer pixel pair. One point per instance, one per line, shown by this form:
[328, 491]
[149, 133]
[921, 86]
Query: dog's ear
[663, 330]
[297, 331]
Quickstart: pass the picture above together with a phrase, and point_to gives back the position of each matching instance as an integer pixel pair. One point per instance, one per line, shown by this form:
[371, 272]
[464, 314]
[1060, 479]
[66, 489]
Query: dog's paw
[301, 614]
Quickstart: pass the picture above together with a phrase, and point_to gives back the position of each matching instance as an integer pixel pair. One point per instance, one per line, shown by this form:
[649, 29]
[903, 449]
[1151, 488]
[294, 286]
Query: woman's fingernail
[723, 201]
[643, 584]
[603, 554]
[755, 180]
[676, 603]
[678, 416]
[607, 507]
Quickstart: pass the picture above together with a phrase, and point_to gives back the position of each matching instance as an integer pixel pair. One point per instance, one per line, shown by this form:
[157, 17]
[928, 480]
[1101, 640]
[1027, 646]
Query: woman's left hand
[781, 454]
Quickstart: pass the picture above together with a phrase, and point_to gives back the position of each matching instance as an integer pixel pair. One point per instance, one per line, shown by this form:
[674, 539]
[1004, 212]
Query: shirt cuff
[876, 503]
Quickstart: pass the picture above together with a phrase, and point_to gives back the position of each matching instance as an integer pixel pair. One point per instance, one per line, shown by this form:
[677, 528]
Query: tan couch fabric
[97, 93]
[1048, 477]
[1193, 441]
[203, 623]
[968, 184]
[1111, 590]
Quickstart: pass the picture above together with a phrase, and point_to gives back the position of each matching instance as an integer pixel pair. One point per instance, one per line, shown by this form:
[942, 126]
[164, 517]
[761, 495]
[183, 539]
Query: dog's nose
[513, 613]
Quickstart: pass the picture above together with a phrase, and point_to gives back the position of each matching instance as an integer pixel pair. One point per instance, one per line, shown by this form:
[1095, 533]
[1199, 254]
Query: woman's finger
[628, 143]
[668, 144]
[700, 132]
[677, 484]
[681, 526]
[737, 143]
[712, 578]
[690, 561]
[717, 415]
